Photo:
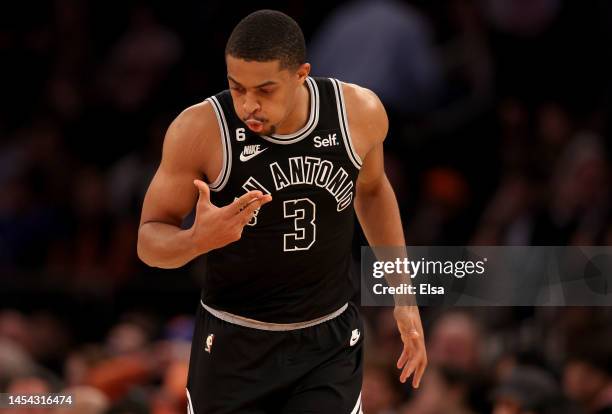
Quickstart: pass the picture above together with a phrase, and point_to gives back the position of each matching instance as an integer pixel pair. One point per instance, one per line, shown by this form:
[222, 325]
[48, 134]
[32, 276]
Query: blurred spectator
[15, 327]
[573, 210]
[445, 195]
[523, 17]
[405, 73]
[80, 361]
[443, 391]
[15, 362]
[587, 374]
[86, 400]
[379, 392]
[28, 386]
[467, 72]
[508, 219]
[579, 203]
[66, 90]
[527, 390]
[139, 61]
[554, 130]
[456, 341]
[561, 327]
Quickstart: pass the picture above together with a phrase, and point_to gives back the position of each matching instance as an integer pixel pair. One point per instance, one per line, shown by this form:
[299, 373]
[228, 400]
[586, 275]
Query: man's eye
[265, 91]
[237, 89]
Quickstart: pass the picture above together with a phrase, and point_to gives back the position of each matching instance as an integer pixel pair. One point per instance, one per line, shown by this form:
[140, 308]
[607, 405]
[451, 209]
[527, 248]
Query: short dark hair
[267, 35]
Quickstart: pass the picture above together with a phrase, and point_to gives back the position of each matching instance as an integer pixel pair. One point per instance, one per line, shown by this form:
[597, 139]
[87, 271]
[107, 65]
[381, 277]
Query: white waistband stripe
[268, 326]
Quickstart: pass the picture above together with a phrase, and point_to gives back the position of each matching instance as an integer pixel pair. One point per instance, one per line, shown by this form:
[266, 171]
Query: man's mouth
[254, 125]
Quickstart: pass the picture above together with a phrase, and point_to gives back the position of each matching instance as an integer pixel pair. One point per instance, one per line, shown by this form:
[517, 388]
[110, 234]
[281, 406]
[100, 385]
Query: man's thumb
[203, 189]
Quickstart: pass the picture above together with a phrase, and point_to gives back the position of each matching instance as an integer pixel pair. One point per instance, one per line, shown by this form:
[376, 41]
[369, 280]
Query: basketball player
[276, 167]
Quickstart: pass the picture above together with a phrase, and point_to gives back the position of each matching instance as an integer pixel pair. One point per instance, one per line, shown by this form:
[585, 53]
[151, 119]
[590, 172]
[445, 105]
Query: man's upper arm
[369, 125]
[172, 194]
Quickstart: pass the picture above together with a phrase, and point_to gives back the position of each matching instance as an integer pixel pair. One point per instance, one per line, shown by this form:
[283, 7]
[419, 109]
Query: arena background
[500, 123]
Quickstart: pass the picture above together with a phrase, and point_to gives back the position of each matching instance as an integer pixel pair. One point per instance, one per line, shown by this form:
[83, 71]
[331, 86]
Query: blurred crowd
[500, 361]
[500, 117]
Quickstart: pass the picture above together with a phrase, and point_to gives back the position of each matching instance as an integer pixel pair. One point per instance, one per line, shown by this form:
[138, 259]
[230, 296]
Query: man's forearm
[379, 216]
[165, 246]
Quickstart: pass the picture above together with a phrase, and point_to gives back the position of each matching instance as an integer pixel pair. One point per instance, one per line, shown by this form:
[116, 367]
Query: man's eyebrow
[270, 82]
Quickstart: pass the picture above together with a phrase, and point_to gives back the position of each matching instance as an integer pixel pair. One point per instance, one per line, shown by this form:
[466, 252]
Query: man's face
[263, 93]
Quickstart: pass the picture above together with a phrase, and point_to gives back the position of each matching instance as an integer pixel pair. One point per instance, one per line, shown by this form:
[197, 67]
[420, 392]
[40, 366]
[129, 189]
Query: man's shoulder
[197, 120]
[198, 116]
[365, 110]
[362, 97]
[193, 129]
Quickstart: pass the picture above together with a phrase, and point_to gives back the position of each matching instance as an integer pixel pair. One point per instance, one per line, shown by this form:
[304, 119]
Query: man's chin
[268, 131]
[271, 130]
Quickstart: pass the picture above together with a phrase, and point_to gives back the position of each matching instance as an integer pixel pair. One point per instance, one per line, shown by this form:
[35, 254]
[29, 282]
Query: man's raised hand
[215, 227]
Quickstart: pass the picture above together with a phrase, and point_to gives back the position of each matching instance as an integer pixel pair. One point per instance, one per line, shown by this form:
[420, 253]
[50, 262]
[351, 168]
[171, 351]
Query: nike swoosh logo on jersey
[253, 154]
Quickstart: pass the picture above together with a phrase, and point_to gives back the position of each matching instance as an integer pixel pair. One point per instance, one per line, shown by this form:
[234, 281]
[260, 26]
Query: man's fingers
[408, 370]
[238, 207]
[264, 199]
[412, 361]
[247, 212]
[404, 357]
[238, 204]
[416, 380]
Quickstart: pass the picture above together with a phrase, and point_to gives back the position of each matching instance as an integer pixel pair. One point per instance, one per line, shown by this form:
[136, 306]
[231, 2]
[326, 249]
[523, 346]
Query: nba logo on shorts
[209, 342]
[354, 337]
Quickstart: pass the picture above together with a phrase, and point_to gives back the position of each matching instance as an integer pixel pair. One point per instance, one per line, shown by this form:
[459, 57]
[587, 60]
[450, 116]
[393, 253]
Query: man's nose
[250, 104]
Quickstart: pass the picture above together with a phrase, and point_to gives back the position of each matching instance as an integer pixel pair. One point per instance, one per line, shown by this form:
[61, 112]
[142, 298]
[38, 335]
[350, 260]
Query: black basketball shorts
[237, 368]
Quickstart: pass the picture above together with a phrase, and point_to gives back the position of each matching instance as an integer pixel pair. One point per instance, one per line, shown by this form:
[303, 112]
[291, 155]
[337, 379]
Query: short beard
[270, 131]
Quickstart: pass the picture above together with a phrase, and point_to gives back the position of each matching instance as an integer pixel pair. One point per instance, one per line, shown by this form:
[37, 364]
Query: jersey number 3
[303, 211]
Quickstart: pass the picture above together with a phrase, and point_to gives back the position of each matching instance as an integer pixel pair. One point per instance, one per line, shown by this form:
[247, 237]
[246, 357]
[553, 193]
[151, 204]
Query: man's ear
[303, 72]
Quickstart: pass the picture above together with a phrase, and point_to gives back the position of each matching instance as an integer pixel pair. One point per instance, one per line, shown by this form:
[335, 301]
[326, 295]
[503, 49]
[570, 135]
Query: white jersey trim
[357, 408]
[269, 326]
[226, 146]
[189, 403]
[313, 119]
[344, 126]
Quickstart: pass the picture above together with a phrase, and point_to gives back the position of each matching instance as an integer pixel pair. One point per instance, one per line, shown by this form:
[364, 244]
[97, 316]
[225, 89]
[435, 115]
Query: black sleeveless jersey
[293, 261]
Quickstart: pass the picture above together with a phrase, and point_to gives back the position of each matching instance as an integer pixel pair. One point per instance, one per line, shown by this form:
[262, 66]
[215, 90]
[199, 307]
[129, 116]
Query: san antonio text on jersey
[293, 261]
